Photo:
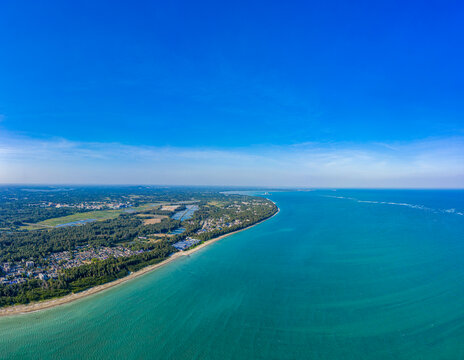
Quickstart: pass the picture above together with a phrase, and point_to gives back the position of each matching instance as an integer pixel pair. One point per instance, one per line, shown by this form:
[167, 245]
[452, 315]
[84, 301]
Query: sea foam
[412, 206]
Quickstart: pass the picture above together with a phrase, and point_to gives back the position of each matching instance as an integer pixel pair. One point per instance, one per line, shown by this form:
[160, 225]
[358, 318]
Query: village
[18, 273]
[88, 205]
[51, 266]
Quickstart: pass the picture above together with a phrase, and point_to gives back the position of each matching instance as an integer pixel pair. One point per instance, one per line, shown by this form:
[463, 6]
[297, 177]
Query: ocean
[346, 274]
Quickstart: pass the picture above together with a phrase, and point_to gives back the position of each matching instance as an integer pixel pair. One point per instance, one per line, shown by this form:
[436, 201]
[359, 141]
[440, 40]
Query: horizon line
[277, 187]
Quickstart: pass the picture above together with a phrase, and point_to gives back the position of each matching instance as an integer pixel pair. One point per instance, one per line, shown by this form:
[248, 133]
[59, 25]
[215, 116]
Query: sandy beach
[46, 304]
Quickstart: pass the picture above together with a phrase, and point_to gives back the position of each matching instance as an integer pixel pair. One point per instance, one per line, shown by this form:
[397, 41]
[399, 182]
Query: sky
[251, 93]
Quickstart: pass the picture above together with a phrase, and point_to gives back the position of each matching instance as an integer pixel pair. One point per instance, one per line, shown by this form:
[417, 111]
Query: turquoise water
[330, 277]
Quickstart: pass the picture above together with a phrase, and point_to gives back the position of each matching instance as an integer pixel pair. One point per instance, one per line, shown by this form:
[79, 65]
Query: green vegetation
[36, 245]
[39, 258]
[81, 278]
[98, 215]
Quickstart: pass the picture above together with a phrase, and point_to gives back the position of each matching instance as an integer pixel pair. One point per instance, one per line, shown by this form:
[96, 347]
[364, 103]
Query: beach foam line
[412, 206]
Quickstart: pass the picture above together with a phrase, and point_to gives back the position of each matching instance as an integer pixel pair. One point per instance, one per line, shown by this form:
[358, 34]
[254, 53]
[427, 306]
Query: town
[88, 205]
[18, 273]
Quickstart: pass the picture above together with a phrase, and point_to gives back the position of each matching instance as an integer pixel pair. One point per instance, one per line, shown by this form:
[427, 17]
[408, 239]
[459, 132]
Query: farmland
[98, 215]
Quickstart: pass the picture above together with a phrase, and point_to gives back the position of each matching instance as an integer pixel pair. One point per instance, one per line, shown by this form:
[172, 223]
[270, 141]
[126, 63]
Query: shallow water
[363, 275]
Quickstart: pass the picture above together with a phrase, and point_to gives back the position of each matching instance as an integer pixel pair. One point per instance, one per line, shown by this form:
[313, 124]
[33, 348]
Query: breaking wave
[412, 206]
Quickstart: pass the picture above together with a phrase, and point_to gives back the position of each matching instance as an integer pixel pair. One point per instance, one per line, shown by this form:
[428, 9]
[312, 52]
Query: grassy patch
[216, 203]
[99, 215]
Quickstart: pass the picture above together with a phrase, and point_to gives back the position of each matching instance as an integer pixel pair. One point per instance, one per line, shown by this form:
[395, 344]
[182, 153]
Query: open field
[169, 207]
[162, 235]
[98, 215]
[152, 219]
[216, 203]
[149, 221]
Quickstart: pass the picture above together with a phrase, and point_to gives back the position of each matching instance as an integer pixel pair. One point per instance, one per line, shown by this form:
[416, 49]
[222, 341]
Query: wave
[412, 206]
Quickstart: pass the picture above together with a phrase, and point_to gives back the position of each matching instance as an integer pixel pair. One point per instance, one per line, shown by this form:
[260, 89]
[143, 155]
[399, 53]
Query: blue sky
[333, 93]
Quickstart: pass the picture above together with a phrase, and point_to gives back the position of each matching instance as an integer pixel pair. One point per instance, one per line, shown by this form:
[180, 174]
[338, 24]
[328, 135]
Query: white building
[43, 276]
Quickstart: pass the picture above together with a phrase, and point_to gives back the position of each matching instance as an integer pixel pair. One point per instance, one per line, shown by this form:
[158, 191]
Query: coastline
[47, 304]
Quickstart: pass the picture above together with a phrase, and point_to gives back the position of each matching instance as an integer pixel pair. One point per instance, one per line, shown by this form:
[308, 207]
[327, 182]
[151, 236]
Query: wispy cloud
[425, 163]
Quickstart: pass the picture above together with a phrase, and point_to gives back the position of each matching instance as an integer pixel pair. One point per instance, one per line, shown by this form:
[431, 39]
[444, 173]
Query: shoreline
[51, 303]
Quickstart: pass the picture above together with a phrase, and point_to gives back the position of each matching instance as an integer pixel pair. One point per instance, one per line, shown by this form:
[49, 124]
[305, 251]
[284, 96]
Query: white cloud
[426, 163]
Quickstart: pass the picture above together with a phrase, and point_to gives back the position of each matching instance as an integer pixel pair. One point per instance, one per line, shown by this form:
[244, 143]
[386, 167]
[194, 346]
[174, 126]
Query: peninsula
[106, 236]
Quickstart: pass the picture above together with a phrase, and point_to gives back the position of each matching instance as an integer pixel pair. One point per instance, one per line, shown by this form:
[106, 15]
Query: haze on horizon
[306, 94]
